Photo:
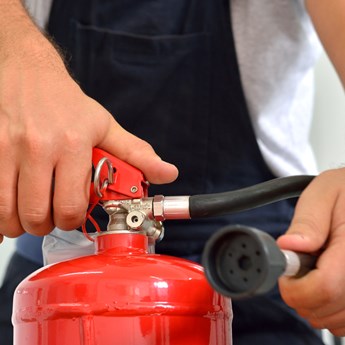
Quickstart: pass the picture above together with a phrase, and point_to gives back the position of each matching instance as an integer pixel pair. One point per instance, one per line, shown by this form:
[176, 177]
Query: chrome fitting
[170, 207]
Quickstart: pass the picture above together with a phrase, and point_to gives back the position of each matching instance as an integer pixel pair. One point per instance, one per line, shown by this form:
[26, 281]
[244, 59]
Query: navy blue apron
[167, 70]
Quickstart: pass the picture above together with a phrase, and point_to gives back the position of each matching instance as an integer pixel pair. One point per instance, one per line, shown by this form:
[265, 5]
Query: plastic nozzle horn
[241, 262]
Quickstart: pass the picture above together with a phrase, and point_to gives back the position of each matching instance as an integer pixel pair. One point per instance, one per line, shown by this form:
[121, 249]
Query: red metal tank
[121, 295]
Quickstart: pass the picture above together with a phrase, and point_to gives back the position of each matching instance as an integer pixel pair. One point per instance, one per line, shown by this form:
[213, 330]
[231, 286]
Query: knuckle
[308, 225]
[9, 222]
[68, 217]
[33, 217]
[73, 141]
[329, 292]
[145, 146]
[34, 146]
[307, 220]
[5, 212]
[137, 146]
[141, 145]
[5, 144]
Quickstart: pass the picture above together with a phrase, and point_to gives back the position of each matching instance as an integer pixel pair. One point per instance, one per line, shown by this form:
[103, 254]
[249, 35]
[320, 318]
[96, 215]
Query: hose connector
[170, 207]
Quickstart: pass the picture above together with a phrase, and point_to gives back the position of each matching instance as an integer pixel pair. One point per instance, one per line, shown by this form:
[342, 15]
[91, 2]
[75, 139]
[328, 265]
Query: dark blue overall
[167, 71]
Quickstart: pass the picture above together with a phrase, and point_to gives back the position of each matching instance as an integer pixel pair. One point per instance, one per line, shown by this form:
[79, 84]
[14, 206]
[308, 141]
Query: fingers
[334, 323]
[72, 186]
[322, 288]
[35, 179]
[319, 296]
[318, 226]
[322, 306]
[62, 201]
[310, 226]
[10, 225]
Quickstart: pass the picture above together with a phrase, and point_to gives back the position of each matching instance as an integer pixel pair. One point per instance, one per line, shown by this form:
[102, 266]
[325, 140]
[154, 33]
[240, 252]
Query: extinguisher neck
[122, 243]
[133, 216]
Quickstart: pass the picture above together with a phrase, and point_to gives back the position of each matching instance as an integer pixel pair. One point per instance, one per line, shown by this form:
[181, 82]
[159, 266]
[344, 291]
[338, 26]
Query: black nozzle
[241, 262]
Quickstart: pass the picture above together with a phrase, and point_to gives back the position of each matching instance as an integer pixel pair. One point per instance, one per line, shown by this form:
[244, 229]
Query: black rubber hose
[218, 204]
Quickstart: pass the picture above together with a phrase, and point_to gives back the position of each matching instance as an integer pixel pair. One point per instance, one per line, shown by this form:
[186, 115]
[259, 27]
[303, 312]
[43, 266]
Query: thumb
[138, 153]
[311, 223]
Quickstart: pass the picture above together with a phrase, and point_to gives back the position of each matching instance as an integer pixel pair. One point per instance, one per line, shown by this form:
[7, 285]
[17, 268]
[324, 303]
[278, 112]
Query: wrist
[22, 41]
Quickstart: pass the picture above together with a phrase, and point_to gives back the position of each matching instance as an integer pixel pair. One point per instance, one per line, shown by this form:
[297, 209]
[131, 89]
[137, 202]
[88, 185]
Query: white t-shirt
[277, 48]
[39, 9]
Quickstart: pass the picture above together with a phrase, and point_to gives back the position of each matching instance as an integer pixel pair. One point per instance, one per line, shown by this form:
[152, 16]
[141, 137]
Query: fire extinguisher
[125, 294]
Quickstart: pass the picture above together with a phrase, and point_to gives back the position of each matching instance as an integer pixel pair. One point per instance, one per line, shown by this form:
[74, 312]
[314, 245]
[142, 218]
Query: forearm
[16, 25]
[21, 39]
[329, 21]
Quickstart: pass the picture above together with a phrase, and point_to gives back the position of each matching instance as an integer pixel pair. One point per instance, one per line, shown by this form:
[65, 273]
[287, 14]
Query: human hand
[318, 227]
[48, 128]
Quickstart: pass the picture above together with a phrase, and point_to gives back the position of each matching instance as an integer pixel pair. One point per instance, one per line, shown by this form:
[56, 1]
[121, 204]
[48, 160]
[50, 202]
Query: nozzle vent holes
[240, 262]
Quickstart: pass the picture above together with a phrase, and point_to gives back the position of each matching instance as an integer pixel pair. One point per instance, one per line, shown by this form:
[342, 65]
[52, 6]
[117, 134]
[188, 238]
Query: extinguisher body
[120, 295]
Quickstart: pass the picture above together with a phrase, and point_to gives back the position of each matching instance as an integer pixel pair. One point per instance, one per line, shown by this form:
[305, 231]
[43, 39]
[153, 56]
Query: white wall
[328, 131]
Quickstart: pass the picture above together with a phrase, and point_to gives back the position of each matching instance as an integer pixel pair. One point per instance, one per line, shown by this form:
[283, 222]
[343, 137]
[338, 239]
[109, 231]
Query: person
[226, 98]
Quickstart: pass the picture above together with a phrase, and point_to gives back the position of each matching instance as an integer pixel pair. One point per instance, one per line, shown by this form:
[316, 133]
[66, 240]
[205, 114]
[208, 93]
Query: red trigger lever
[117, 180]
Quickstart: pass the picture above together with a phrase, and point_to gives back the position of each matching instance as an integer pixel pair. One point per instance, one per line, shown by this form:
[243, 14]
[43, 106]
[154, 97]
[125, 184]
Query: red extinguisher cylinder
[120, 295]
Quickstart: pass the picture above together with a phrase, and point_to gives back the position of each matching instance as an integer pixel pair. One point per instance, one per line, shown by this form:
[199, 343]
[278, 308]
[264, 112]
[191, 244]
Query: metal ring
[98, 185]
